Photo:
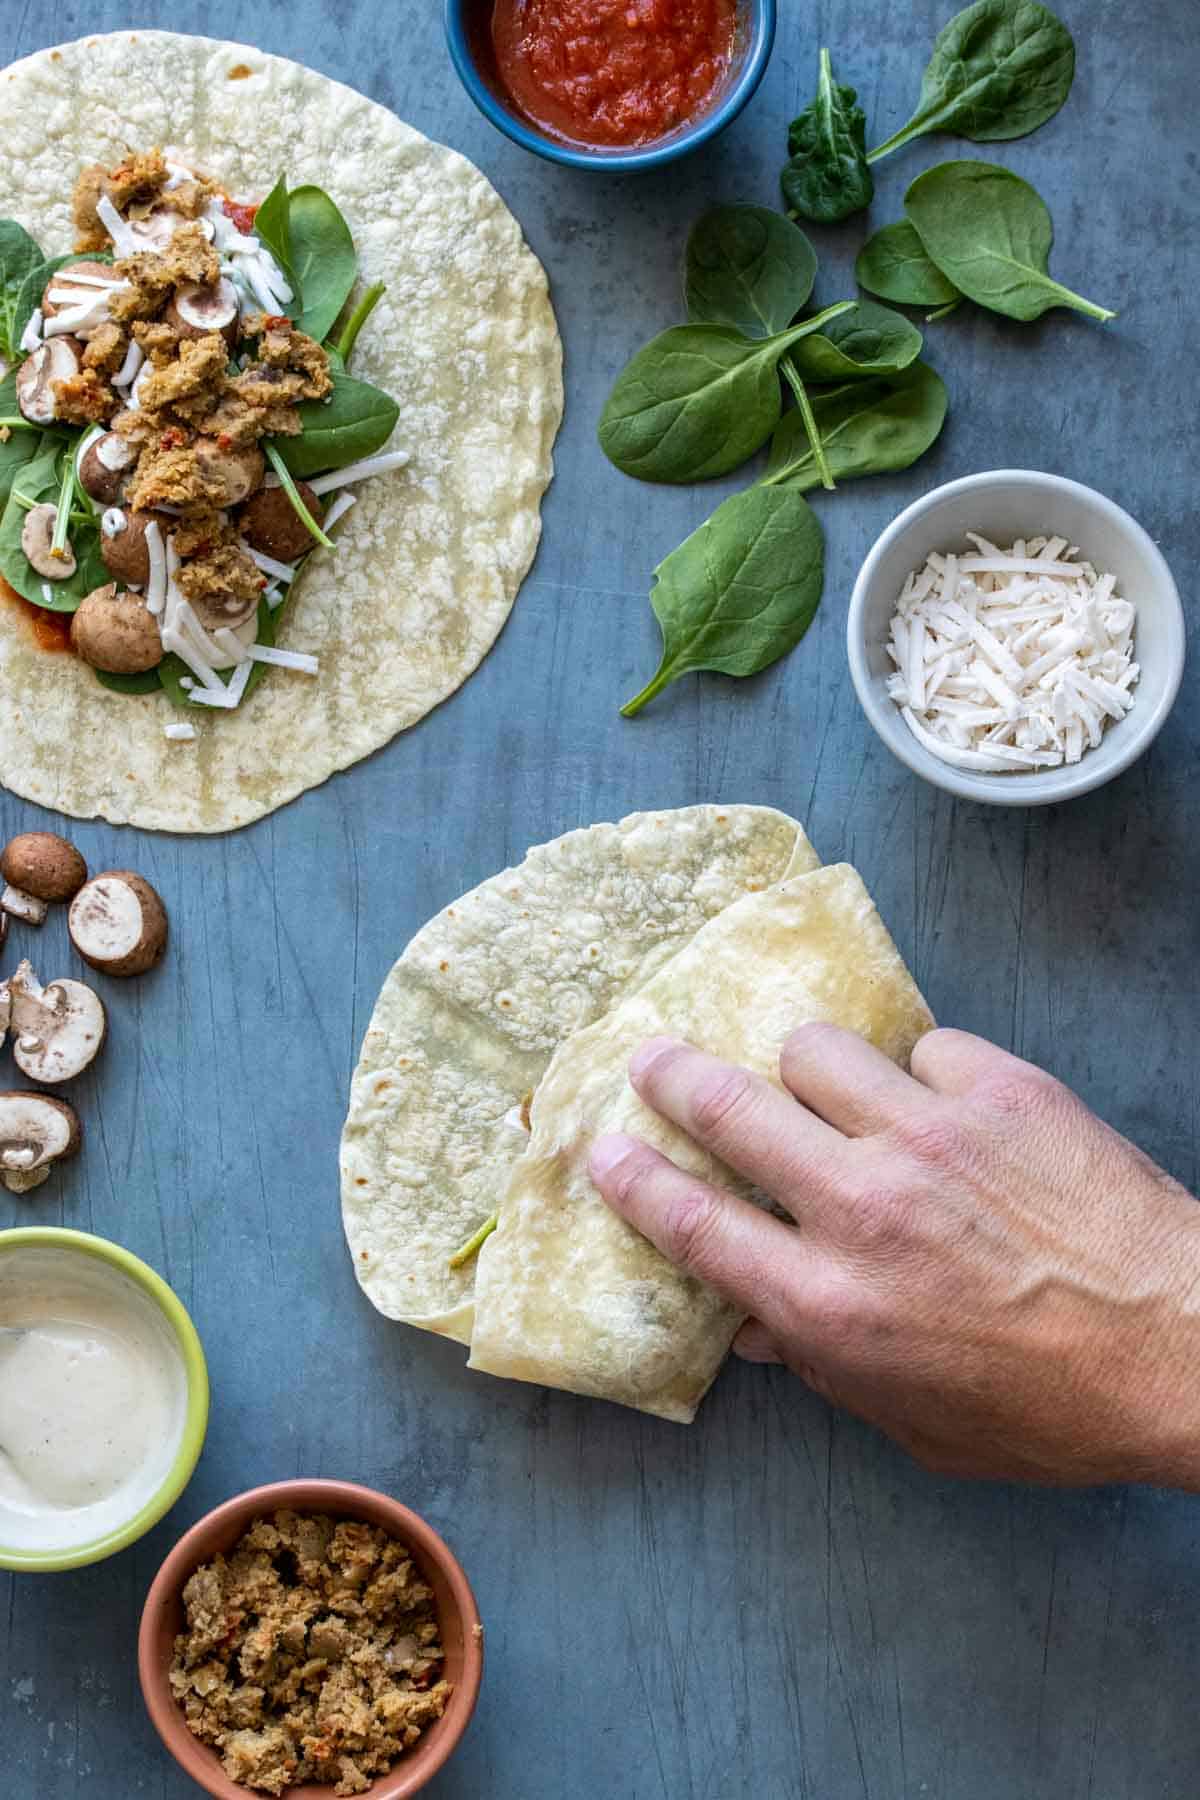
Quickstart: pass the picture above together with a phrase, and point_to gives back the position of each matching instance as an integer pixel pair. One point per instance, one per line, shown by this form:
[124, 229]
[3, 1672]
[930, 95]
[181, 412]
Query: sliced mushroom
[36, 1131]
[105, 467]
[56, 360]
[57, 1029]
[45, 865]
[118, 923]
[270, 523]
[156, 229]
[197, 310]
[233, 474]
[37, 534]
[23, 906]
[88, 304]
[115, 632]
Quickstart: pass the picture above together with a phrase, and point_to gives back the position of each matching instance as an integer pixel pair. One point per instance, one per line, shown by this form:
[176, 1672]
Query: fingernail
[649, 1053]
[606, 1153]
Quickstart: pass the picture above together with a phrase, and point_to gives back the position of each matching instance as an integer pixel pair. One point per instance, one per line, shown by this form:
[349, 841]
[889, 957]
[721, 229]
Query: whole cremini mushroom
[36, 1131]
[118, 923]
[105, 468]
[197, 310]
[270, 523]
[43, 864]
[115, 632]
[125, 552]
[57, 1030]
[58, 359]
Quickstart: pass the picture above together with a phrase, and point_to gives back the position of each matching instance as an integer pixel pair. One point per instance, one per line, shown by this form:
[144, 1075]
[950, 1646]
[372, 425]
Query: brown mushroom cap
[36, 1130]
[103, 484]
[126, 554]
[118, 923]
[62, 278]
[269, 523]
[196, 310]
[237, 473]
[114, 632]
[44, 865]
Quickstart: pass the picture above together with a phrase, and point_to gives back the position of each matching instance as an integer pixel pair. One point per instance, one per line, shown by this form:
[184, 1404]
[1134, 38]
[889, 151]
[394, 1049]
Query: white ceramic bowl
[1005, 504]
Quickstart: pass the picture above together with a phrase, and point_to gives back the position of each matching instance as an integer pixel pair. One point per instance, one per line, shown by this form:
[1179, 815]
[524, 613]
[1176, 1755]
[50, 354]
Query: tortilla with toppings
[428, 560]
[482, 997]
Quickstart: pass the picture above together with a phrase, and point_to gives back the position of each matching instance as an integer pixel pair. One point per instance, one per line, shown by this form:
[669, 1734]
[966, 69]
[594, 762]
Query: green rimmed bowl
[195, 1423]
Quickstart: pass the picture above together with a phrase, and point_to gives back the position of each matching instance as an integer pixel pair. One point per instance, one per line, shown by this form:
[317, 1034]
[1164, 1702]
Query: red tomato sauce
[50, 630]
[242, 216]
[612, 72]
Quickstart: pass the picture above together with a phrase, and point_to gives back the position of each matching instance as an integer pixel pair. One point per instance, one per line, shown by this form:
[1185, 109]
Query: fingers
[846, 1081]
[955, 1062]
[740, 1117]
[731, 1244]
[754, 1343]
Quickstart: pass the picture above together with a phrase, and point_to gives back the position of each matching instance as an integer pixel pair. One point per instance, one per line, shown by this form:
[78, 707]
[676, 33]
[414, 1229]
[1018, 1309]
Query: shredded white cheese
[284, 659]
[1012, 660]
[31, 337]
[358, 471]
[340, 507]
[179, 734]
[280, 570]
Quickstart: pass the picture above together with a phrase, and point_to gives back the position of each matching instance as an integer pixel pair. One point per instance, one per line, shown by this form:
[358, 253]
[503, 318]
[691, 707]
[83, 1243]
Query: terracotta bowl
[462, 1633]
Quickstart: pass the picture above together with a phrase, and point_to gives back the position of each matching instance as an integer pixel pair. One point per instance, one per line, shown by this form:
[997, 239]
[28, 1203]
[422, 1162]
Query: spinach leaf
[698, 400]
[999, 69]
[145, 683]
[895, 264]
[19, 257]
[867, 428]
[356, 421]
[871, 340]
[324, 260]
[748, 268]
[272, 223]
[990, 234]
[41, 480]
[22, 446]
[826, 177]
[741, 591]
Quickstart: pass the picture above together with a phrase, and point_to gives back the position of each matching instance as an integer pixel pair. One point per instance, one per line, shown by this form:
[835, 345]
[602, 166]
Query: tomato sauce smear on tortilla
[612, 73]
[51, 630]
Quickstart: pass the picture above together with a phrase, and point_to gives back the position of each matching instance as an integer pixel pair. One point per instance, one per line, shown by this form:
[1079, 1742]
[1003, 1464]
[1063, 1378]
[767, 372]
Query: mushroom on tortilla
[105, 468]
[43, 864]
[58, 359]
[271, 525]
[37, 544]
[36, 1131]
[118, 923]
[197, 310]
[57, 1029]
[125, 552]
[116, 632]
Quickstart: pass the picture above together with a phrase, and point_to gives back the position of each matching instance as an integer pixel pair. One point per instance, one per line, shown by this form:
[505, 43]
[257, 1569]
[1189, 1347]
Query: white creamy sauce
[93, 1397]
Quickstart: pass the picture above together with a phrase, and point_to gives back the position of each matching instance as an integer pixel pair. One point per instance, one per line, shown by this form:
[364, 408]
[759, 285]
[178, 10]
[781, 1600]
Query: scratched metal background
[773, 1603]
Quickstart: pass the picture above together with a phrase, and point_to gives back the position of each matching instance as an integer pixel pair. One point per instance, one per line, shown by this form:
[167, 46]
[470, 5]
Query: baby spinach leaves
[895, 264]
[826, 177]
[38, 481]
[999, 69]
[356, 421]
[698, 400]
[310, 240]
[272, 225]
[870, 340]
[990, 233]
[748, 268]
[741, 591]
[867, 428]
[20, 259]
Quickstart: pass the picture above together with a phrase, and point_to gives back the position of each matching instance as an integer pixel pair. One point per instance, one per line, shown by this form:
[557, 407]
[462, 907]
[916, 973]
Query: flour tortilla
[569, 1295]
[470, 1016]
[431, 557]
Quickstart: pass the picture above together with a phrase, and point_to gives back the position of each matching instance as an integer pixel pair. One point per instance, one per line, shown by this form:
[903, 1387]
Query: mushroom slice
[35, 1131]
[43, 864]
[57, 360]
[198, 310]
[118, 923]
[37, 544]
[57, 1029]
[21, 905]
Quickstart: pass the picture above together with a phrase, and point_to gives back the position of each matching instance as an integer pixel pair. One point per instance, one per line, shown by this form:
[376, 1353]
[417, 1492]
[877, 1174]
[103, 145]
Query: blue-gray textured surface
[773, 1603]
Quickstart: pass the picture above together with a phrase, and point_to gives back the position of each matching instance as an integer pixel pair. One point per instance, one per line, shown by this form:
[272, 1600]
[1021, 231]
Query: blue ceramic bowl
[469, 38]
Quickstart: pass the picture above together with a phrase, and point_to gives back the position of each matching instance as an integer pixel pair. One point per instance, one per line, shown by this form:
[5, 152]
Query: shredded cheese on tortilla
[1012, 660]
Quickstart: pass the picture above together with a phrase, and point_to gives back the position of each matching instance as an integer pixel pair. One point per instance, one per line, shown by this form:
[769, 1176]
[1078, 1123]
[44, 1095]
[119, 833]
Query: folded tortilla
[430, 558]
[470, 1016]
[569, 1295]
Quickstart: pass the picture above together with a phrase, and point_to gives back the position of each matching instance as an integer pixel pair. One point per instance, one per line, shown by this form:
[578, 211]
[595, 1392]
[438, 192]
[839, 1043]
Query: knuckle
[630, 1176]
[879, 1216]
[720, 1100]
[806, 1040]
[690, 1226]
[930, 1137]
[1019, 1095]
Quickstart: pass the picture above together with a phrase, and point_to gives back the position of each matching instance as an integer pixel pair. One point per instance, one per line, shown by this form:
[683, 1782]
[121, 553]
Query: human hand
[982, 1268]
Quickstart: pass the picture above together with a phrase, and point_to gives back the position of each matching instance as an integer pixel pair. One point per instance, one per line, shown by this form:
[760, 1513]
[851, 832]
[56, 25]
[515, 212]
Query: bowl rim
[1070, 781]
[195, 1423]
[347, 1499]
[763, 20]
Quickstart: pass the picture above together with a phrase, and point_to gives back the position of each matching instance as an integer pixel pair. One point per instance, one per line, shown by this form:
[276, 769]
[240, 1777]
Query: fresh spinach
[870, 340]
[21, 447]
[990, 233]
[41, 480]
[146, 682]
[699, 400]
[826, 177]
[19, 259]
[867, 428]
[272, 224]
[741, 591]
[324, 260]
[747, 268]
[355, 421]
[999, 69]
[895, 264]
